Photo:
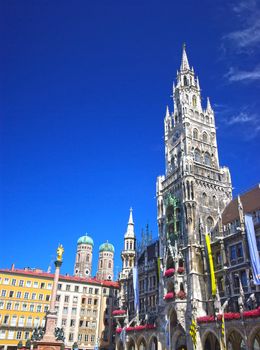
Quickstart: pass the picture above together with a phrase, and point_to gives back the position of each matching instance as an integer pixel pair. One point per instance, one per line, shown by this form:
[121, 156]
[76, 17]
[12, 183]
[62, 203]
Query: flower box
[118, 312]
[169, 272]
[169, 296]
[180, 269]
[119, 330]
[181, 295]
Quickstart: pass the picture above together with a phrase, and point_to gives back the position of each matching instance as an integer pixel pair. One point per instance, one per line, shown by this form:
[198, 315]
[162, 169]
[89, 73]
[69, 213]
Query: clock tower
[192, 193]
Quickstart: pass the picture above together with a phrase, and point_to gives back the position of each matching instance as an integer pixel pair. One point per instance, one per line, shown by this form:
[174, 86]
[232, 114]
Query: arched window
[127, 246]
[195, 134]
[204, 199]
[207, 159]
[109, 264]
[87, 259]
[101, 264]
[205, 137]
[207, 119]
[197, 155]
[194, 101]
[210, 222]
[185, 80]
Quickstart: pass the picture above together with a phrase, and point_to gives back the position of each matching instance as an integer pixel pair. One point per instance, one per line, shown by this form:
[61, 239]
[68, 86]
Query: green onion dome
[86, 240]
[107, 247]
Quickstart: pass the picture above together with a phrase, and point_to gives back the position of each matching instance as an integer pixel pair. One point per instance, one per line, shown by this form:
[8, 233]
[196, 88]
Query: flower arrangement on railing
[180, 269]
[118, 312]
[169, 272]
[230, 316]
[136, 328]
[169, 296]
[252, 313]
[181, 295]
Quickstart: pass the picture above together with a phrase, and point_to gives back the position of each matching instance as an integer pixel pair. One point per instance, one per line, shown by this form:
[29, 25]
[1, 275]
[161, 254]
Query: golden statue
[60, 251]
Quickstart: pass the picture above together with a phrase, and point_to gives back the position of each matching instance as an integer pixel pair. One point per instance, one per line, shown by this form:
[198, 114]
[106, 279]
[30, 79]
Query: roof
[50, 276]
[107, 247]
[250, 201]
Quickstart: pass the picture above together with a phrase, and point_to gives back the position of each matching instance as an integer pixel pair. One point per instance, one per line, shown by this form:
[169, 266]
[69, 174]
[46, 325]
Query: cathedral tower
[192, 193]
[106, 262]
[83, 263]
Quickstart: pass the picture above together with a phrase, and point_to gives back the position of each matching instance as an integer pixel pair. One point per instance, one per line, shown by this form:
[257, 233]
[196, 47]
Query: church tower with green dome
[106, 262]
[83, 263]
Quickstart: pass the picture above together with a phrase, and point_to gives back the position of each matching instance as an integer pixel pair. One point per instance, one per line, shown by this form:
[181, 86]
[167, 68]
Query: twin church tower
[83, 263]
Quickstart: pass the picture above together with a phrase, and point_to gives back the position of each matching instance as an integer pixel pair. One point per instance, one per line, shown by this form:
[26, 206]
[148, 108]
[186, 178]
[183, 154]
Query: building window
[63, 322]
[2, 334]
[84, 289]
[92, 339]
[90, 290]
[47, 297]
[26, 295]
[16, 306]
[6, 319]
[13, 321]
[46, 308]
[89, 301]
[197, 155]
[33, 296]
[35, 284]
[9, 306]
[40, 296]
[74, 311]
[236, 253]
[71, 337]
[66, 299]
[29, 321]
[31, 307]
[18, 335]
[207, 159]
[96, 290]
[36, 322]
[42, 285]
[26, 335]
[3, 294]
[24, 307]
[67, 287]
[76, 288]
[86, 337]
[205, 137]
[65, 310]
[13, 282]
[18, 295]
[95, 301]
[6, 281]
[28, 283]
[72, 323]
[39, 308]
[1, 305]
[57, 297]
[59, 286]
[195, 134]
[75, 299]
[21, 283]
[10, 335]
[49, 285]
[21, 321]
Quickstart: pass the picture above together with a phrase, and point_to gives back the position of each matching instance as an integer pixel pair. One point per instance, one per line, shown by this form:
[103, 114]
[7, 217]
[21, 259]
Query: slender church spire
[130, 225]
[209, 108]
[184, 61]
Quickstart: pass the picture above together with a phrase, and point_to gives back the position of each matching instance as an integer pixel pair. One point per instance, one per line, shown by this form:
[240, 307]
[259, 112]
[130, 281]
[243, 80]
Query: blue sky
[84, 90]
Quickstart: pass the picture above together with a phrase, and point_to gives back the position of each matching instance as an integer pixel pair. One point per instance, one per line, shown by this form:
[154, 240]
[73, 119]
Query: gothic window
[210, 222]
[214, 201]
[204, 199]
[205, 137]
[185, 80]
[197, 155]
[126, 245]
[195, 134]
[194, 101]
[131, 245]
[207, 159]
[207, 119]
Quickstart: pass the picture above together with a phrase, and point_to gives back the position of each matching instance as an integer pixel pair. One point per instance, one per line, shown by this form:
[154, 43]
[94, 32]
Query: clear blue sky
[84, 89]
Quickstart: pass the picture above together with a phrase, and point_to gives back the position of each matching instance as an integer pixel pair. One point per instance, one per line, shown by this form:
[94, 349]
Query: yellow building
[24, 299]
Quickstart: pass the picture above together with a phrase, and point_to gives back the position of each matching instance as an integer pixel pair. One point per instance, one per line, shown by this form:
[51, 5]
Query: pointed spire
[167, 114]
[198, 83]
[184, 61]
[209, 108]
[173, 87]
[130, 226]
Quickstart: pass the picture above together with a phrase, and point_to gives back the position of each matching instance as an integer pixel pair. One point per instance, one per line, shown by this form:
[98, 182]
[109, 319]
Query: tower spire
[209, 108]
[184, 60]
[130, 225]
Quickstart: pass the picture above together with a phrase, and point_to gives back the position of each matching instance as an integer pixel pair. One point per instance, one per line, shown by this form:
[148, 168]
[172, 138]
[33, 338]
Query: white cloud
[239, 75]
[247, 37]
[241, 118]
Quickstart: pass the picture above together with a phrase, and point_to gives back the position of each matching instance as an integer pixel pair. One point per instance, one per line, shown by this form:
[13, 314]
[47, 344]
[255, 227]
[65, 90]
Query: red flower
[252, 313]
[118, 330]
[169, 272]
[118, 312]
[180, 269]
[169, 296]
[181, 295]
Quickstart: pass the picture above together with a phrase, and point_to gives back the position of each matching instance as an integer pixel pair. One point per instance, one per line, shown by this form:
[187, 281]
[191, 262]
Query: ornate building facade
[194, 198]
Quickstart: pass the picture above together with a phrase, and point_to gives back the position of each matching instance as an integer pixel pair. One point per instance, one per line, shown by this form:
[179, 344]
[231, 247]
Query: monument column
[53, 337]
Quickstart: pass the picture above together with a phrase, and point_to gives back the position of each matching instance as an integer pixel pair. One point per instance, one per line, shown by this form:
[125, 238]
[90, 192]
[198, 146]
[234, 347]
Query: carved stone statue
[60, 251]
[37, 334]
[59, 334]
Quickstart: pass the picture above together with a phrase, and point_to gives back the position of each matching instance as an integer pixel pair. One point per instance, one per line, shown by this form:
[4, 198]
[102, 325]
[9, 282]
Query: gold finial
[60, 251]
